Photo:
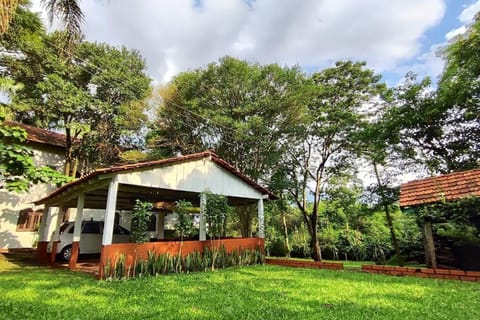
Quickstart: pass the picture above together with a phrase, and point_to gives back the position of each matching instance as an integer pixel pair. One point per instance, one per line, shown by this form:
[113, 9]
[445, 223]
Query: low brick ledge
[305, 264]
[473, 276]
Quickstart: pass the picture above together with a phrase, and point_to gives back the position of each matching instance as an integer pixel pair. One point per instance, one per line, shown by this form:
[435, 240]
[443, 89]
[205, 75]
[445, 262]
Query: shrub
[299, 251]
[278, 248]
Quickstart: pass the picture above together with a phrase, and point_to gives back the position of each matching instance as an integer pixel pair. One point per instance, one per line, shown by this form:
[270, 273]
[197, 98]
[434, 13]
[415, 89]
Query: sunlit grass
[259, 292]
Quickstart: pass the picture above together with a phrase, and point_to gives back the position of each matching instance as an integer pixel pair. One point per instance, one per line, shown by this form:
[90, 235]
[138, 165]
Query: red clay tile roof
[141, 165]
[38, 135]
[449, 187]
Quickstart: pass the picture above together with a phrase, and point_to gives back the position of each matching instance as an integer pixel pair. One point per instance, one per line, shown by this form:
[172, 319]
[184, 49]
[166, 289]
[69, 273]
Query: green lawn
[259, 292]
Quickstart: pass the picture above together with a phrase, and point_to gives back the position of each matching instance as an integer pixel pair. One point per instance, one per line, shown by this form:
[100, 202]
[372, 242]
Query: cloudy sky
[393, 36]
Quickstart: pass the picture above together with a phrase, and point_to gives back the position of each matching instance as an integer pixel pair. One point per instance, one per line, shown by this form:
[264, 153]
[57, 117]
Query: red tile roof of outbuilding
[39, 135]
[449, 187]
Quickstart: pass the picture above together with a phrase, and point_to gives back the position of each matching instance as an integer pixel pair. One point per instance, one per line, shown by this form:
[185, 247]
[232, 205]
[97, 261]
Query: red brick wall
[135, 251]
[424, 272]
[306, 264]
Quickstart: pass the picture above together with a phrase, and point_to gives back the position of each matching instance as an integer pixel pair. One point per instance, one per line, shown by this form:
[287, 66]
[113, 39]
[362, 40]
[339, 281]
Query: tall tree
[459, 84]
[440, 127]
[239, 109]
[432, 132]
[379, 147]
[100, 92]
[324, 143]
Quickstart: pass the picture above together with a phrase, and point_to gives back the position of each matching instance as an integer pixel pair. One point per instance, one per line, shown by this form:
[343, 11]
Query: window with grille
[29, 220]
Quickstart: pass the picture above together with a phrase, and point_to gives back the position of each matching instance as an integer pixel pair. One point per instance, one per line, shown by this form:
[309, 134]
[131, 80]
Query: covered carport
[117, 188]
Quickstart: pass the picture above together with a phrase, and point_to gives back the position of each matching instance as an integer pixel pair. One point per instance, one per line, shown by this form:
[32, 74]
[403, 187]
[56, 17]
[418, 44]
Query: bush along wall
[161, 264]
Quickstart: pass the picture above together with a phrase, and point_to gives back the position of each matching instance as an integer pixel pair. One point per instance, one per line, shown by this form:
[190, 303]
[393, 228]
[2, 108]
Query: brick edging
[305, 264]
[473, 276]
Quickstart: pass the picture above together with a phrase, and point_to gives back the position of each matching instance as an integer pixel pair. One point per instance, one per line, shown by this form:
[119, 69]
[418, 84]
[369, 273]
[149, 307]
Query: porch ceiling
[127, 194]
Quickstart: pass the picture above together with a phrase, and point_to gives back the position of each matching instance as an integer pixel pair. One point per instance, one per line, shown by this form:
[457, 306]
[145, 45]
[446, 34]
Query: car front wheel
[66, 253]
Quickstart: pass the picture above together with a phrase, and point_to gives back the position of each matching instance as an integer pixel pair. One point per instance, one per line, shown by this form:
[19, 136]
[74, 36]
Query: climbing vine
[140, 218]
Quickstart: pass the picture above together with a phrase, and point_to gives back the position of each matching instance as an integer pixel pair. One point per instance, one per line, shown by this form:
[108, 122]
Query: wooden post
[203, 205]
[430, 257]
[160, 225]
[77, 232]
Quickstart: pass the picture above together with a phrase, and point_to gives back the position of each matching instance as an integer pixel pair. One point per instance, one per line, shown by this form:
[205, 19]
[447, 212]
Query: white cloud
[466, 17]
[175, 36]
[455, 32]
[469, 12]
[429, 63]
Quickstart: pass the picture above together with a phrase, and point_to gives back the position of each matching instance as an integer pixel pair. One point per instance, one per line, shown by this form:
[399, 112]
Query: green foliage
[460, 82]
[325, 142]
[17, 169]
[215, 214]
[184, 225]
[461, 211]
[440, 127]
[240, 109]
[277, 248]
[140, 218]
[133, 156]
[92, 91]
[160, 264]
[348, 228]
[456, 220]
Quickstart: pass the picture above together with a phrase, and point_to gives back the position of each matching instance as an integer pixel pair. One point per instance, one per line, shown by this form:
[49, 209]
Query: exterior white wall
[194, 176]
[11, 203]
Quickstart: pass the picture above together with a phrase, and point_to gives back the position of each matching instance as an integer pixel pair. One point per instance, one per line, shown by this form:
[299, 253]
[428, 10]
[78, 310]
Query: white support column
[78, 218]
[77, 231]
[110, 211]
[261, 219]
[45, 224]
[58, 222]
[55, 235]
[161, 225]
[202, 226]
[42, 245]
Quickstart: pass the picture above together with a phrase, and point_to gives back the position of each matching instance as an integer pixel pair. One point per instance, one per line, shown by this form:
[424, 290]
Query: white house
[19, 217]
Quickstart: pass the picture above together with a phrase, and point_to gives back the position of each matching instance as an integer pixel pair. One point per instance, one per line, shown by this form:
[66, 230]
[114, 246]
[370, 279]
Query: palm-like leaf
[69, 14]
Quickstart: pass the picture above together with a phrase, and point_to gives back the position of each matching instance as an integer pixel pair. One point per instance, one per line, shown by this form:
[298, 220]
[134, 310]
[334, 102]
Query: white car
[90, 239]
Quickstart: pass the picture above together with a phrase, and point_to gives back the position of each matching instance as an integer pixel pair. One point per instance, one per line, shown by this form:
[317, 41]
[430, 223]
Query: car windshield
[120, 230]
[91, 227]
[64, 226]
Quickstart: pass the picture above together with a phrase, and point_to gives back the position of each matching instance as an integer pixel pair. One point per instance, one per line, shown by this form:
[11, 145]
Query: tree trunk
[245, 216]
[430, 257]
[389, 217]
[285, 230]
[68, 153]
[314, 245]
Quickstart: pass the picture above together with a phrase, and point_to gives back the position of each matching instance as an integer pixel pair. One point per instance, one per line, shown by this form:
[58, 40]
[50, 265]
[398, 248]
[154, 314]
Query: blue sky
[393, 36]
[436, 36]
